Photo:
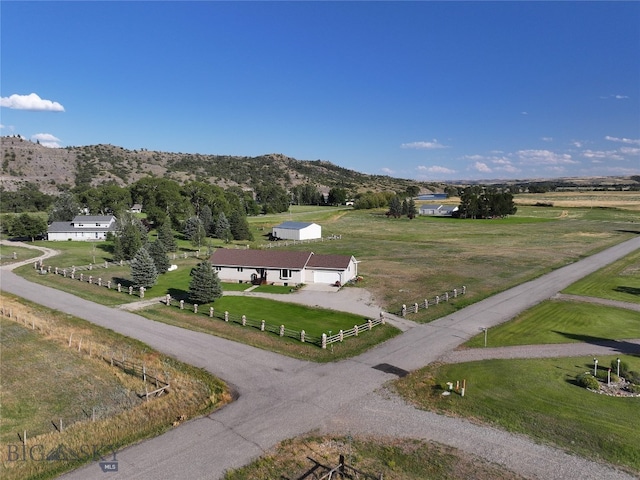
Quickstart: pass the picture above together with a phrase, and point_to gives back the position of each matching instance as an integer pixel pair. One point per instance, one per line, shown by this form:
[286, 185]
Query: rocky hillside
[55, 170]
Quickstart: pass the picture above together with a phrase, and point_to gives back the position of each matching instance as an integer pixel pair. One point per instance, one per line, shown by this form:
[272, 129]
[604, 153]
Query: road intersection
[281, 397]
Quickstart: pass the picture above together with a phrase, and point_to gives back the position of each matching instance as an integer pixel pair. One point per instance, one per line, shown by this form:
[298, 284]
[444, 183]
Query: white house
[437, 210]
[282, 267]
[83, 227]
[297, 231]
[136, 208]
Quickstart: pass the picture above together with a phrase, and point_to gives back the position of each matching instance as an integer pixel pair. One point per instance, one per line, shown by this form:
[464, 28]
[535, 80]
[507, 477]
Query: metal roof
[294, 225]
[231, 257]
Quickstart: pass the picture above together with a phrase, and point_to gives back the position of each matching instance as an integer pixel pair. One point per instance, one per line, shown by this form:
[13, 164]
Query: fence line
[424, 304]
[84, 346]
[287, 243]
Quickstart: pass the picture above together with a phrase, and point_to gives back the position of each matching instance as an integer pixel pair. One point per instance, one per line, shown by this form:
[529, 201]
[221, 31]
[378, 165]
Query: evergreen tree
[191, 226]
[165, 235]
[159, 256]
[223, 229]
[143, 270]
[395, 207]
[405, 207]
[206, 217]
[131, 236]
[239, 226]
[205, 285]
[412, 211]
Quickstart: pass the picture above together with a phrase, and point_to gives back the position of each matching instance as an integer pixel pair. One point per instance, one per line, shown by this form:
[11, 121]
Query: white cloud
[388, 171]
[30, 102]
[524, 113]
[482, 167]
[602, 155]
[433, 144]
[630, 150]
[46, 140]
[620, 97]
[435, 169]
[547, 139]
[544, 157]
[629, 141]
[577, 143]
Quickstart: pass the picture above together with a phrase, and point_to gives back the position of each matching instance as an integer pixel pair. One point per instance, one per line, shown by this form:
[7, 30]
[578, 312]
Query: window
[285, 273]
[218, 269]
[240, 269]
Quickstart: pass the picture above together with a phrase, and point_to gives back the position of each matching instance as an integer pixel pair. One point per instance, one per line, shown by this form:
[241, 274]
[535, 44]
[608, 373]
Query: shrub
[634, 388]
[632, 377]
[624, 367]
[587, 380]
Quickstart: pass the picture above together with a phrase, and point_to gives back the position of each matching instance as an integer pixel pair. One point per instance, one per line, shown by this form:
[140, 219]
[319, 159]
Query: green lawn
[557, 321]
[618, 281]
[538, 398]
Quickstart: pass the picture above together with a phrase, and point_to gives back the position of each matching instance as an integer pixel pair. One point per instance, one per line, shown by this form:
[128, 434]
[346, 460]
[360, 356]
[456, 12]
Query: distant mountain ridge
[58, 169]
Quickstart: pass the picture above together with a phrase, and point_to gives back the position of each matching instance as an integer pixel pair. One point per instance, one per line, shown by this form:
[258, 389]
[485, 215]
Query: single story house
[437, 210]
[282, 267]
[297, 231]
[136, 208]
[82, 227]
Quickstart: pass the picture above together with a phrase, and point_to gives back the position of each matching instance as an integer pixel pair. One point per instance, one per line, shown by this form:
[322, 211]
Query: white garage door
[326, 277]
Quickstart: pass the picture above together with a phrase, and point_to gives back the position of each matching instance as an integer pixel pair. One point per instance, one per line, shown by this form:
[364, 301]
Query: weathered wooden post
[211, 312]
[130, 289]
[64, 272]
[195, 308]
[168, 299]
[262, 325]
[56, 271]
[142, 289]
[99, 281]
[446, 296]
[244, 318]
[119, 287]
[464, 289]
[415, 308]
[82, 277]
[404, 310]
[181, 304]
[426, 303]
[324, 341]
[341, 333]
[437, 299]
[455, 293]
[282, 330]
[355, 329]
[90, 279]
[370, 323]
[109, 284]
[302, 334]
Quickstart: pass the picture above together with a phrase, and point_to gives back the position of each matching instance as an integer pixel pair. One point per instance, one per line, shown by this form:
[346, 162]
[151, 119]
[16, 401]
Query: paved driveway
[280, 397]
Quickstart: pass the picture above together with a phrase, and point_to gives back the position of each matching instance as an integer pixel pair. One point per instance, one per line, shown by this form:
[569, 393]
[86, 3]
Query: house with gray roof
[437, 210]
[82, 227]
[281, 267]
[297, 231]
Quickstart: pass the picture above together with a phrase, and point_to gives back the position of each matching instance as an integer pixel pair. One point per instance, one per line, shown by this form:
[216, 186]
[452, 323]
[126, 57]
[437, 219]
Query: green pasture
[21, 253]
[538, 398]
[618, 281]
[314, 321]
[556, 321]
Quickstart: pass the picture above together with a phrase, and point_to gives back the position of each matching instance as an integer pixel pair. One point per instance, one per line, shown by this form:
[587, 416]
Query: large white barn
[297, 231]
[82, 227]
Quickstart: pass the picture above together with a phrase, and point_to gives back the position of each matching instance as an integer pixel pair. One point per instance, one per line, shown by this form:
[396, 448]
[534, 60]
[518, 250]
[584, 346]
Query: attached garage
[297, 231]
[326, 277]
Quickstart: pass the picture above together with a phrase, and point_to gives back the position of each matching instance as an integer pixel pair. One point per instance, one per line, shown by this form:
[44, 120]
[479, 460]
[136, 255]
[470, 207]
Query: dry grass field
[54, 370]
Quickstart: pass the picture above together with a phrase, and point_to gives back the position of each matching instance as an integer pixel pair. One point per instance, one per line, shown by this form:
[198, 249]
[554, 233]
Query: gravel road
[280, 397]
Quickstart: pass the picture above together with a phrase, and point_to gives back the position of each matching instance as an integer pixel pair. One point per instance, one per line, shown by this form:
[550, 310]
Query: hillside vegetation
[59, 169]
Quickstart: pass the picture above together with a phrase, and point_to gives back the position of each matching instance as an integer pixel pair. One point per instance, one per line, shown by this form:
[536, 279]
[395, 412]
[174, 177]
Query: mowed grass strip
[380, 457]
[298, 316]
[538, 398]
[556, 321]
[618, 281]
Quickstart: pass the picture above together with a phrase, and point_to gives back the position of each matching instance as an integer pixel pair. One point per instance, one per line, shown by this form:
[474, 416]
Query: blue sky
[422, 90]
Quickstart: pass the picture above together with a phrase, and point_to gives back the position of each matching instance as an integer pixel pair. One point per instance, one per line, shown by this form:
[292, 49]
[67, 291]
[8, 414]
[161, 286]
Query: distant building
[437, 210]
[297, 231]
[82, 227]
[136, 208]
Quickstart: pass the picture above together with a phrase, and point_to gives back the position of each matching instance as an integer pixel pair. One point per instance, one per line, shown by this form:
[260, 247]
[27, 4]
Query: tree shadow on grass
[621, 346]
[124, 282]
[630, 290]
[178, 294]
